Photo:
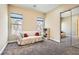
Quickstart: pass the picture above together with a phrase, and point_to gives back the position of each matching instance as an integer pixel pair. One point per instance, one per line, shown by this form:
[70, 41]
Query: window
[40, 24]
[16, 25]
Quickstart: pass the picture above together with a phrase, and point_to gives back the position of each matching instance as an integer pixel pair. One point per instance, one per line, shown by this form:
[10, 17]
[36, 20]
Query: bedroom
[29, 16]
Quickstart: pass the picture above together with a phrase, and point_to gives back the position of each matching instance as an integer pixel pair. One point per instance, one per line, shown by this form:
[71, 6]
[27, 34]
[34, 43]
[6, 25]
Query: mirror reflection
[70, 27]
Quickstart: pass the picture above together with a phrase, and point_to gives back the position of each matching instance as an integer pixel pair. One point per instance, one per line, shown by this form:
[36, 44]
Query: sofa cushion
[31, 33]
[37, 34]
[21, 34]
[32, 37]
[18, 35]
[25, 35]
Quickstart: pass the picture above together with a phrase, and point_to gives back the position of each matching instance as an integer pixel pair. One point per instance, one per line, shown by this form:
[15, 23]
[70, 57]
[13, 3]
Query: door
[66, 24]
[75, 27]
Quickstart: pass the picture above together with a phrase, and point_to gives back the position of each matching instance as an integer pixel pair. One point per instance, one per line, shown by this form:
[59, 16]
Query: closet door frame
[71, 23]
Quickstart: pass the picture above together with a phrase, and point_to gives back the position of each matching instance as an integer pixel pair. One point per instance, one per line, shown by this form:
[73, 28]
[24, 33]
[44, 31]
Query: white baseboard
[51, 38]
[12, 41]
[3, 48]
[54, 40]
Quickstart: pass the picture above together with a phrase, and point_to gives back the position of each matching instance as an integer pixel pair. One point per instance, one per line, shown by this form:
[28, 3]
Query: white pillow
[19, 35]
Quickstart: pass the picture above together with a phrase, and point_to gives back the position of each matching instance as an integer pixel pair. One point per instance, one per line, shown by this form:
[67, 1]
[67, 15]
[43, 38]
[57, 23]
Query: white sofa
[30, 39]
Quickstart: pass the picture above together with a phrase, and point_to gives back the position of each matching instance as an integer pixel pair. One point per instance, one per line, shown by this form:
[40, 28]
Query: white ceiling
[39, 7]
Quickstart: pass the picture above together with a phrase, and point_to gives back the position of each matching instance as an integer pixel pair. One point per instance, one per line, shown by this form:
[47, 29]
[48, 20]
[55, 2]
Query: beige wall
[3, 27]
[53, 21]
[29, 18]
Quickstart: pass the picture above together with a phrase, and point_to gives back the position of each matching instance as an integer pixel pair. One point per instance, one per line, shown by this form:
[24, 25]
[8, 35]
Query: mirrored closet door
[70, 27]
[66, 28]
[75, 27]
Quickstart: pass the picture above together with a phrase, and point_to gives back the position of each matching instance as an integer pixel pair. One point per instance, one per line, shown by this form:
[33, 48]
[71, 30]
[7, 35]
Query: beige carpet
[47, 47]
